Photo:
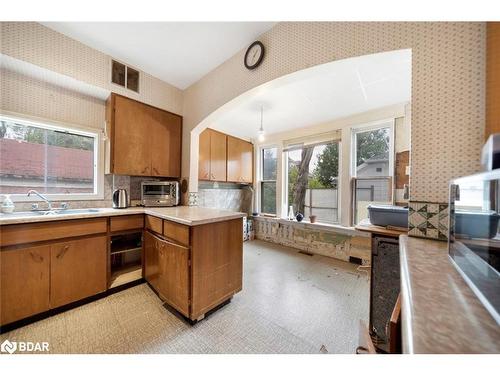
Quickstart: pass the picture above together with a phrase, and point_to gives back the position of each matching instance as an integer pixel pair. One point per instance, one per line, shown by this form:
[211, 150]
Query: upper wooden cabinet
[492, 79]
[212, 156]
[239, 160]
[143, 140]
[224, 158]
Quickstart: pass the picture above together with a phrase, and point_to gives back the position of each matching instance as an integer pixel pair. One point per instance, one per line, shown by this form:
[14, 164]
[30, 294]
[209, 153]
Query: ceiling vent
[124, 76]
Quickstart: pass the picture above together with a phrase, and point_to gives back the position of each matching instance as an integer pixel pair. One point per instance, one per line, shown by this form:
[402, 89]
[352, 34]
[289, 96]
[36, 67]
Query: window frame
[361, 128]
[339, 177]
[262, 181]
[95, 133]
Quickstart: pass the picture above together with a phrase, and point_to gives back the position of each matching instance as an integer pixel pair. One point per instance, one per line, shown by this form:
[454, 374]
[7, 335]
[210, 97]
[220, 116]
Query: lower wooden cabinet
[77, 270]
[38, 278]
[25, 276]
[167, 270]
[173, 262]
[151, 271]
[201, 271]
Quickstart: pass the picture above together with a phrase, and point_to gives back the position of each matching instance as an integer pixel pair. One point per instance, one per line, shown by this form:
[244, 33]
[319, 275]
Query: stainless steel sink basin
[77, 211]
[53, 212]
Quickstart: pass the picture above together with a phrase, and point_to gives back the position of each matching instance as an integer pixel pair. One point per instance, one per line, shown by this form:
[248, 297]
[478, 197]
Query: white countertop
[188, 215]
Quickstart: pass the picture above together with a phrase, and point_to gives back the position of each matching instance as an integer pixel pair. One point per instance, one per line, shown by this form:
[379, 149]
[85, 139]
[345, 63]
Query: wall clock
[254, 55]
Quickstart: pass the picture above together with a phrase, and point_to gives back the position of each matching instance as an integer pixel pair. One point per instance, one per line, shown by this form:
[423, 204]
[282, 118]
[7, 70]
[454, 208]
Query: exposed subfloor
[290, 303]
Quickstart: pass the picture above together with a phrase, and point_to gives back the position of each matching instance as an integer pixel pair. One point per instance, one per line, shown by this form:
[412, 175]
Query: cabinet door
[165, 135]
[151, 270]
[218, 155]
[204, 156]
[131, 138]
[246, 157]
[77, 270]
[24, 282]
[239, 160]
[174, 275]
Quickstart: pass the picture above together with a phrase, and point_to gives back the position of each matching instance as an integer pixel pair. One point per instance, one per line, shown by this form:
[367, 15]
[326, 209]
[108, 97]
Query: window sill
[337, 228]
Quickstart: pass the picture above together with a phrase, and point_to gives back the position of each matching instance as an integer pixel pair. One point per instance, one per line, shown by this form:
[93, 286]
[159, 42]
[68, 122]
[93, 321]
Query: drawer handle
[155, 170]
[145, 170]
[62, 252]
[36, 257]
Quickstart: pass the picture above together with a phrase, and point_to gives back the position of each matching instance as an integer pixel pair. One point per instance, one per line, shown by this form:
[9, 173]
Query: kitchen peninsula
[190, 256]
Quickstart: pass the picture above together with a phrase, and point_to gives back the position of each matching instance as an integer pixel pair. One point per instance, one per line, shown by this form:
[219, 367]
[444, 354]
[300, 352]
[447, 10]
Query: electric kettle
[120, 198]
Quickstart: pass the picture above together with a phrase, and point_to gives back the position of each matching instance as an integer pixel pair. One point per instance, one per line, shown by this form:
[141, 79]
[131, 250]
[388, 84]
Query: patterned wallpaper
[26, 95]
[448, 81]
[44, 47]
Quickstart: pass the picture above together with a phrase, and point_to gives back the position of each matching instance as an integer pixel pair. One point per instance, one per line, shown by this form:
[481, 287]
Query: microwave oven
[474, 237]
[159, 193]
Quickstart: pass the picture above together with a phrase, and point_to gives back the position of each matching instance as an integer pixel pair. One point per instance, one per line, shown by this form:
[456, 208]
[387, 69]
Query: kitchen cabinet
[130, 138]
[212, 156]
[25, 275]
[173, 283]
[77, 270]
[166, 139]
[239, 160]
[143, 140]
[492, 78]
[151, 266]
[195, 269]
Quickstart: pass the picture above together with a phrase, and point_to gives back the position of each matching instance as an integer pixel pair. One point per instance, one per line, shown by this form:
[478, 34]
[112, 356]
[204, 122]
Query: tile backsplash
[111, 182]
[428, 220]
[225, 196]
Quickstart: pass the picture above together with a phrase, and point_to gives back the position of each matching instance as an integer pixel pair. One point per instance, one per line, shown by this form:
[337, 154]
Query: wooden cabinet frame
[147, 159]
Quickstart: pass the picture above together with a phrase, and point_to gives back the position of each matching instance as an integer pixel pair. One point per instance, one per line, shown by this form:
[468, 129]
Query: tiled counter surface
[187, 215]
[440, 313]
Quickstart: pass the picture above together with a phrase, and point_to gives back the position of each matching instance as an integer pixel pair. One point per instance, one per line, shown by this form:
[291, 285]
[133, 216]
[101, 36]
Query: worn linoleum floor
[290, 303]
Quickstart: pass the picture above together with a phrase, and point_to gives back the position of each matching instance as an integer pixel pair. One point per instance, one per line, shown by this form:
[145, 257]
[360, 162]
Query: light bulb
[261, 136]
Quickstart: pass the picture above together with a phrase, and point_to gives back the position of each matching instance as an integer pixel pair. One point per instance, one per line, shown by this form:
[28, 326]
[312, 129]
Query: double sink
[54, 212]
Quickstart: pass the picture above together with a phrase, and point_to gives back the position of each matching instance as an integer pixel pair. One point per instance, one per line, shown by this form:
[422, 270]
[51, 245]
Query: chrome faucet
[41, 196]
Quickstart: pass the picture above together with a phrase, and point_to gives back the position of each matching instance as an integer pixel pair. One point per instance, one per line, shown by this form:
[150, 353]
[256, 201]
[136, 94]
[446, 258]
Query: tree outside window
[313, 181]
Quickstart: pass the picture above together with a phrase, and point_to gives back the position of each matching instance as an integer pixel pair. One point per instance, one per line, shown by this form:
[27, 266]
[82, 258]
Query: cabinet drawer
[155, 224]
[15, 234]
[176, 232]
[119, 223]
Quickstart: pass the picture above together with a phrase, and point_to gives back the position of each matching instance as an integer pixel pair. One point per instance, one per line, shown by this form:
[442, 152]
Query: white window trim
[339, 183]
[258, 181]
[75, 129]
[345, 170]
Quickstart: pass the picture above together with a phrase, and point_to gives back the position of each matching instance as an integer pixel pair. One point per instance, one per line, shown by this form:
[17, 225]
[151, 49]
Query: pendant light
[261, 130]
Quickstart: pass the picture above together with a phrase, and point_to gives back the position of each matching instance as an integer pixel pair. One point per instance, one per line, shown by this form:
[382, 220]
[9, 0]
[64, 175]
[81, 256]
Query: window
[268, 182]
[312, 185]
[49, 159]
[372, 169]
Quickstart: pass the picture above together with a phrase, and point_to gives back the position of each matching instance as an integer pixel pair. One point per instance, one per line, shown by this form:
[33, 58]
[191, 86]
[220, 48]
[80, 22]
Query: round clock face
[254, 55]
